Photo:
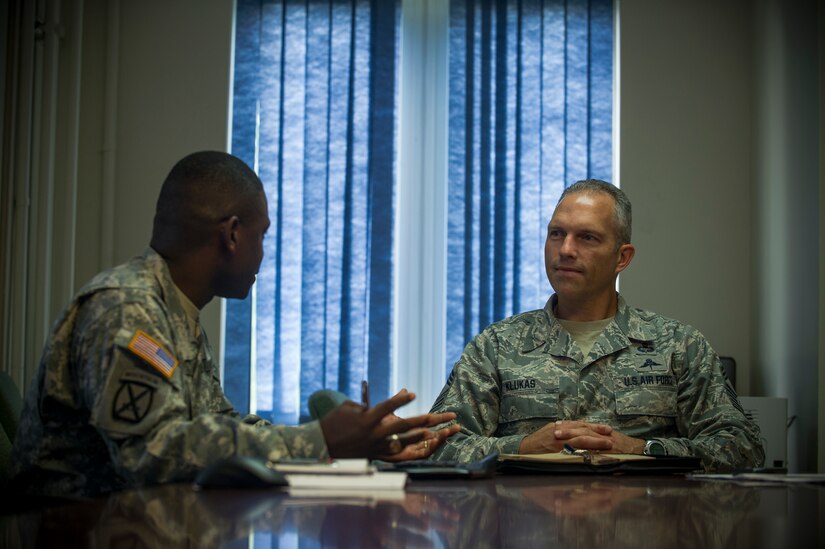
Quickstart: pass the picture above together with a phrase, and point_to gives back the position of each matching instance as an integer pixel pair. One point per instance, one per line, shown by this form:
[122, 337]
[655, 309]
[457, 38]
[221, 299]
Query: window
[411, 163]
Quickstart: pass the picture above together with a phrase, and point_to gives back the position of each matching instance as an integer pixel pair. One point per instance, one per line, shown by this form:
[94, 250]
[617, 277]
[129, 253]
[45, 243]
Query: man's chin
[236, 293]
[565, 286]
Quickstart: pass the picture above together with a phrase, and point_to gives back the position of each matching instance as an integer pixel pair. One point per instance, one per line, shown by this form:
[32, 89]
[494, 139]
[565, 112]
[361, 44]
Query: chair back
[322, 401]
[11, 405]
[729, 369]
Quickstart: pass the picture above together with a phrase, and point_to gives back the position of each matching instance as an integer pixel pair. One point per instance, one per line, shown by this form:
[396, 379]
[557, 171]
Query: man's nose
[568, 247]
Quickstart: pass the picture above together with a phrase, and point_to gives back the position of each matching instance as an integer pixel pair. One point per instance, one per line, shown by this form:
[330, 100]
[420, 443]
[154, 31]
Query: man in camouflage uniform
[128, 391]
[590, 371]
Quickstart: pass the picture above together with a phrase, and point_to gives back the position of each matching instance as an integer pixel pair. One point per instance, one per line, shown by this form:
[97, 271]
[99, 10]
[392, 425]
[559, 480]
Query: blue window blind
[531, 108]
[314, 113]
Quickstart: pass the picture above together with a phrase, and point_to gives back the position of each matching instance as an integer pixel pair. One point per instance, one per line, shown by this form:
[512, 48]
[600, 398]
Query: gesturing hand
[351, 430]
[430, 441]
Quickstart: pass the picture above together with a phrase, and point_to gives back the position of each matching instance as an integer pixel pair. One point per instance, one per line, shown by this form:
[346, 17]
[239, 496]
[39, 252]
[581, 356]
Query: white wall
[685, 147]
[170, 97]
[787, 186]
[102, 105]
[821, 422]
[719, 154]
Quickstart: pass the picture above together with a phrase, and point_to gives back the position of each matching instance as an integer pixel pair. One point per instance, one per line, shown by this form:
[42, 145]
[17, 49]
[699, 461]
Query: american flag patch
[152, 352]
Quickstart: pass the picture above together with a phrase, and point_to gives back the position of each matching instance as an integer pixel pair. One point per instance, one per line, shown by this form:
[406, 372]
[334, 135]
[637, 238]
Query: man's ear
[229, 233]
[626, 253]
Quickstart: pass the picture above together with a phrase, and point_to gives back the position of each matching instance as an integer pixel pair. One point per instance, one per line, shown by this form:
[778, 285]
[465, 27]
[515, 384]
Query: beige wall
[684, 148]
[786, 186]
[169, 96]
[719, 154]
[821, 423]
[99, 109]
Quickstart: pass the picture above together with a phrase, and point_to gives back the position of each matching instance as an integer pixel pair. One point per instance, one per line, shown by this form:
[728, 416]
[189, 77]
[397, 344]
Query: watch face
[654, 448]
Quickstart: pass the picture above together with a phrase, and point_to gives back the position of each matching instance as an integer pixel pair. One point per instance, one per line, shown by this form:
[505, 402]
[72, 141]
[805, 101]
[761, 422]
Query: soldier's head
[588, 241]
[622, 209]
[213, 202]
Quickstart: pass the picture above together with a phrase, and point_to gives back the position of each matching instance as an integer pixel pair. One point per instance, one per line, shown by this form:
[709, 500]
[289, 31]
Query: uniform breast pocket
[641, 400]
[523, 412]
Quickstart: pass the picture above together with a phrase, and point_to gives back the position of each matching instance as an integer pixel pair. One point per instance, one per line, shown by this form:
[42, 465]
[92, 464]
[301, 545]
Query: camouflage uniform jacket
[647, 376]
[108, 408]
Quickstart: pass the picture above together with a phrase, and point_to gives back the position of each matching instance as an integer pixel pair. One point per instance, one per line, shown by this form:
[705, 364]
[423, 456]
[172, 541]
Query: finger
[412, 437]
[424, 448]
[568, 433]
[438, 419]
[570, 424]
[591, 443]
[600, 428]
[431, 443]
[425, 420]
[377, 412]
[397, 442]
[447, 432]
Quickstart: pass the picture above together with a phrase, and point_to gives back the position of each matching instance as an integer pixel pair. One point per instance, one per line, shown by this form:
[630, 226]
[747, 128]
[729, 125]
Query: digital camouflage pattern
[646, 376]
[98, 417]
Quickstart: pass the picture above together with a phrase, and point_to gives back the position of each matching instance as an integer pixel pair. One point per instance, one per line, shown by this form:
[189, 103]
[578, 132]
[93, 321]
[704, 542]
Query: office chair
[729, 369]
[11, 405]
[322, 401]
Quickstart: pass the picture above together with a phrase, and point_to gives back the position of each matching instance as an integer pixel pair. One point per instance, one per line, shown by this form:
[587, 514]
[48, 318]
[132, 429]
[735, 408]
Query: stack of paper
[345, 477]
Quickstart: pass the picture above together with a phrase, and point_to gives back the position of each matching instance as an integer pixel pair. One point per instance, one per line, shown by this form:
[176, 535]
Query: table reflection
[508, 511]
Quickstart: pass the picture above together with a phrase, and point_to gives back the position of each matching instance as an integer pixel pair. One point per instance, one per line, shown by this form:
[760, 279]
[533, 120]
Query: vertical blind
[314, 114]
[531, 108]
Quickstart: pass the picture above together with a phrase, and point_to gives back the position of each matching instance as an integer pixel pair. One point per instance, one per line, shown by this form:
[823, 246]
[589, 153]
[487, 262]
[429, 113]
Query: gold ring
[426, 444]
[395, 443]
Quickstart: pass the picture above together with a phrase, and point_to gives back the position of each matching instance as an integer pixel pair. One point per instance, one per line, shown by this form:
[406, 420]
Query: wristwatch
[655, 448]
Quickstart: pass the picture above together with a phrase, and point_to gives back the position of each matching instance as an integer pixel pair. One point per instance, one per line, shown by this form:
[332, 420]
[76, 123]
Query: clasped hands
[355, 430]
[581, 435]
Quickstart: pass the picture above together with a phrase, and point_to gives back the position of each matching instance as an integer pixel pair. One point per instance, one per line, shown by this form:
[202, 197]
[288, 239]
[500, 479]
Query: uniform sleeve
[474, 394]
[146, 420]
[712, 421]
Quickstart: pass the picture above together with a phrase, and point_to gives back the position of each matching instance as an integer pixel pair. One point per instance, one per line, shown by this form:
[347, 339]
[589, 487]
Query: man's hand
[427, 445]
[351, 430]
[581, 436]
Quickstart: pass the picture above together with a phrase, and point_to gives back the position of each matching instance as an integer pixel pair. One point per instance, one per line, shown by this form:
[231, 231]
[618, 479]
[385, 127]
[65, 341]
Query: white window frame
[420, 275]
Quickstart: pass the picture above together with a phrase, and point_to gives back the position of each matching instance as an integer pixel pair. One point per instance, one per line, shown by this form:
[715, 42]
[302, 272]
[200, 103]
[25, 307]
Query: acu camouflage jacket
[126, 395]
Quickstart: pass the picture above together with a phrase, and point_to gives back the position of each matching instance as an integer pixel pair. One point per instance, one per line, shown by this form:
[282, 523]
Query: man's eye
[554, 233]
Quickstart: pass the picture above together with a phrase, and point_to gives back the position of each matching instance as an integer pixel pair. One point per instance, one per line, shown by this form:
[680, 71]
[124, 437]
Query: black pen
[365, 393]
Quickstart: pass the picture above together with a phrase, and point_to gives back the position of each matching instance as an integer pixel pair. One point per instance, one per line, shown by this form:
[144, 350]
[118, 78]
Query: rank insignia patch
[132, 402]
[153, 352]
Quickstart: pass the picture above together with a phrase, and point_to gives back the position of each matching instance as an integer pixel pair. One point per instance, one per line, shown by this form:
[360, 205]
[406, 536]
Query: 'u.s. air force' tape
[153, 352]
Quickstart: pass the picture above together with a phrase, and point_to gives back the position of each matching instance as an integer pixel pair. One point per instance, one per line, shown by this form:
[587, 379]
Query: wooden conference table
[505, 511]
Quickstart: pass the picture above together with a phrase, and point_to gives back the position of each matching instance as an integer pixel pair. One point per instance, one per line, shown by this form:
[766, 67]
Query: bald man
[128, 393]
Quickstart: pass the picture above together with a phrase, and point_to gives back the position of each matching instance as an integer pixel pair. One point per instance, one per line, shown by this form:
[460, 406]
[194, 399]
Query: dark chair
[11, 404]
[322, 401]
[729, 369]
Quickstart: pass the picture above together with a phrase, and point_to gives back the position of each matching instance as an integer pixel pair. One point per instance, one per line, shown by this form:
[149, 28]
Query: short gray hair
[621, 204]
